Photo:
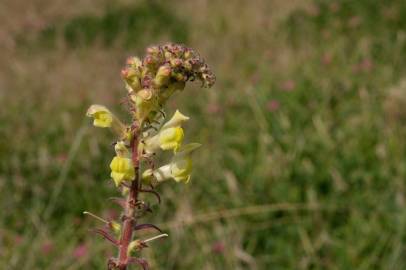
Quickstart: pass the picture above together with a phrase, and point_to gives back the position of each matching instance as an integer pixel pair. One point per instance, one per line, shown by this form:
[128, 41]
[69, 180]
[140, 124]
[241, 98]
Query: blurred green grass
[306, 121]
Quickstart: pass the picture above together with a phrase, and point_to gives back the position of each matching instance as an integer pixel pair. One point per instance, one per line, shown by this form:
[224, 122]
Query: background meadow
[304, 157]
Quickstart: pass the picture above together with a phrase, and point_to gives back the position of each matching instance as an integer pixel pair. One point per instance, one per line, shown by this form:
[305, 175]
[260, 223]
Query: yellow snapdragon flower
[170, 136]
[102, 117]
[179, 169]
[121, 166]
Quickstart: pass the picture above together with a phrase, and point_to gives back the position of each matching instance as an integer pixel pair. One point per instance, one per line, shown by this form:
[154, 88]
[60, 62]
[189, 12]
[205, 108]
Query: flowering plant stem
[149, 82]
[129, 216]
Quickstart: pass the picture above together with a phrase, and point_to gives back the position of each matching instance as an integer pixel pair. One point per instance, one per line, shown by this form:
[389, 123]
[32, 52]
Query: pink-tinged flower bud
[131, 77]
[176, 62]
[153, 50]
[162, 76]
[134, 62]
[149, 62]
[124, 73]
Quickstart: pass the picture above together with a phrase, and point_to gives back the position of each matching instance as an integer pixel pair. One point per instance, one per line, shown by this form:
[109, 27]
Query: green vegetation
[306, 123]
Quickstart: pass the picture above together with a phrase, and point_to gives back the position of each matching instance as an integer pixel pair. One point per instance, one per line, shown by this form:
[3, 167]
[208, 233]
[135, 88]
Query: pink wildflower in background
[288, 85]
[213, 108]
[326, 59]
[47, 247]
[218, 247]
[272, 105]
[80, 251]
[366, 65]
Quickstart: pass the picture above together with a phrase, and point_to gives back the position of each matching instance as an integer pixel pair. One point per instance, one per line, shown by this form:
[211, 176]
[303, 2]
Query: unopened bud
[134, 62]
[149, 62]
[188, 65]
[115, 226]
[145, 94]
[188, 54]
[131, 77]
[153, 50]
[134, 245]
[168, 55]
[179, 76]
[176, 62]
[163, 75]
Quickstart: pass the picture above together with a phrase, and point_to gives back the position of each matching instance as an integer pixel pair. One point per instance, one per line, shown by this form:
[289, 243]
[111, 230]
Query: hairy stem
[129, 219]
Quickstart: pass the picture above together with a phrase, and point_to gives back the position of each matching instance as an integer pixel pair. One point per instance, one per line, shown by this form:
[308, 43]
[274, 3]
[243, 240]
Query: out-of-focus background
[303, 164]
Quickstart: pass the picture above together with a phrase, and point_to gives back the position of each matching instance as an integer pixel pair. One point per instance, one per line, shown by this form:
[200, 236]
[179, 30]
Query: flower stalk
[150, 82]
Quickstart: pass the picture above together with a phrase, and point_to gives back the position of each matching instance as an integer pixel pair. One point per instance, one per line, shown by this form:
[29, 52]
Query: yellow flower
[179, 169]
[102, 117]
[169, 137]
[121, 170]
[121, 166]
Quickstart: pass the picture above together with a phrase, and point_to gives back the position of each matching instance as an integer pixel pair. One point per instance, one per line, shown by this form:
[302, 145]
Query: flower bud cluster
[164, 70]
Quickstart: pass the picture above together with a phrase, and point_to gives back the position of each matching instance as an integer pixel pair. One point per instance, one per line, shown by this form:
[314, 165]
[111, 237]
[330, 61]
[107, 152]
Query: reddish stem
[129, 220]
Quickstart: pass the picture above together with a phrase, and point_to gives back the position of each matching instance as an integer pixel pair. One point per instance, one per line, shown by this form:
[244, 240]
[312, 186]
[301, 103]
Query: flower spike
[149, 82]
